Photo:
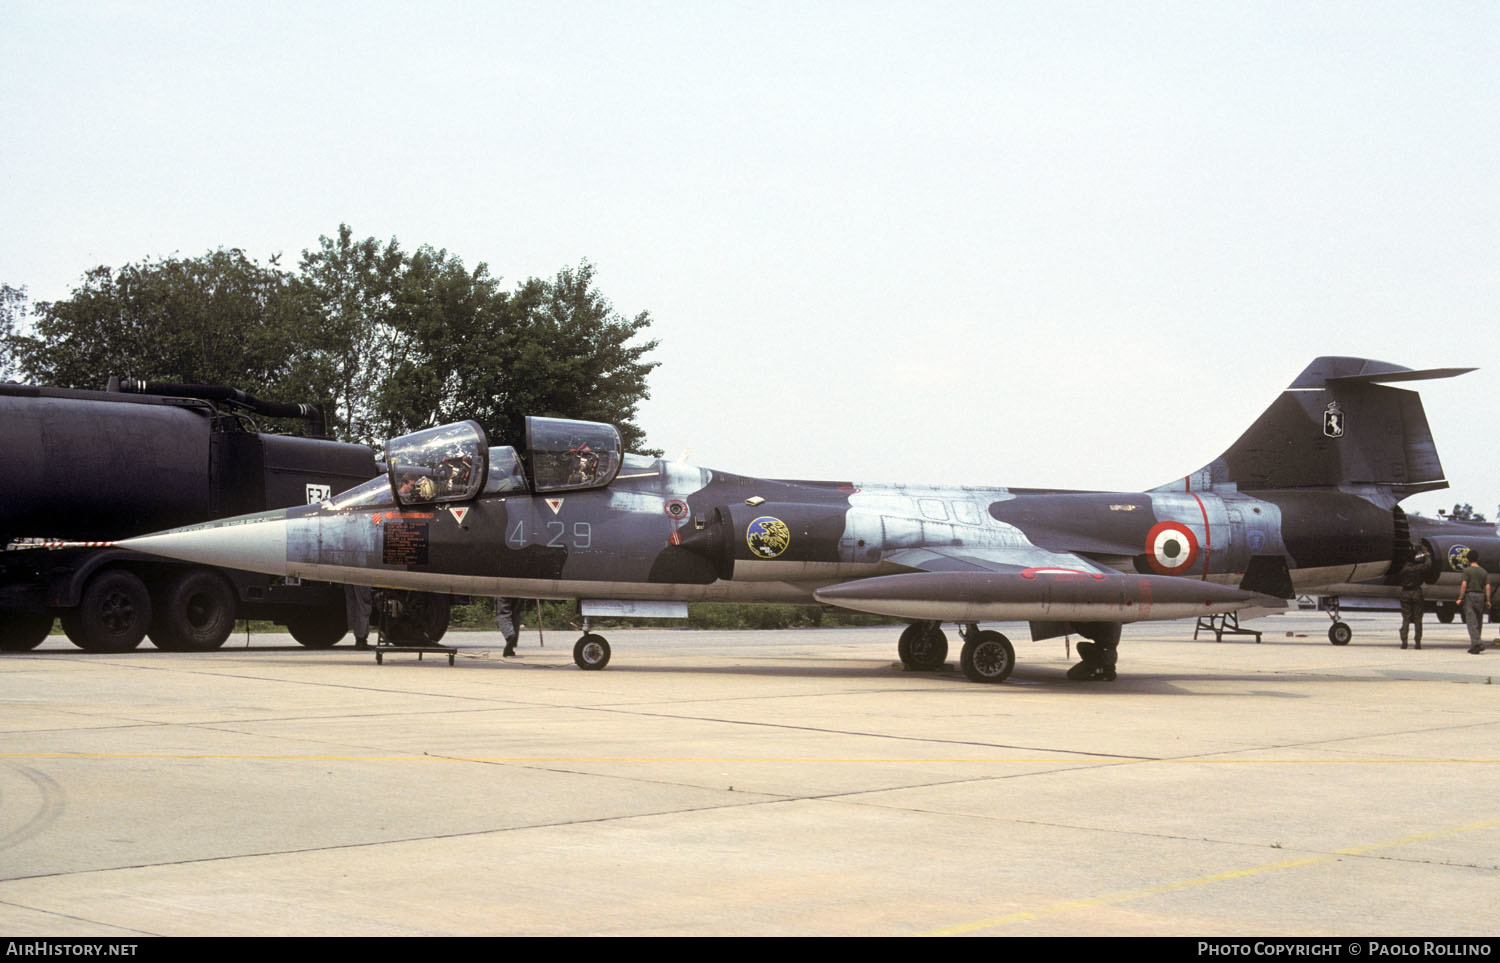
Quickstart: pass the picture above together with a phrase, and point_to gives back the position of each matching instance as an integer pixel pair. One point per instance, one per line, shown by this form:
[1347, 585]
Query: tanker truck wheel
[194, 613]
[23, 631]
[318, 629]
[112, 615]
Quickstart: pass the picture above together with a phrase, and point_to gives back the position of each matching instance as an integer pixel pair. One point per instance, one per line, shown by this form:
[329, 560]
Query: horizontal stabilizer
[1037, 596]
[1387, 377]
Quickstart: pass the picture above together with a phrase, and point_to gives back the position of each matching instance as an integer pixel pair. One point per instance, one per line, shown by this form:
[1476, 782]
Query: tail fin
[1335, 425]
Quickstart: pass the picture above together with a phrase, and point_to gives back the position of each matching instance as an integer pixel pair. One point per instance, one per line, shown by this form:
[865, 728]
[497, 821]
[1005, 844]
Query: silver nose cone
[253, 544]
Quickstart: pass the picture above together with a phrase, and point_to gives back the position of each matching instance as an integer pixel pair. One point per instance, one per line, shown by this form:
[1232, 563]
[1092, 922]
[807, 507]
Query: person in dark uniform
[1474, 595]
[1412, 575]
[357, 603]
[508, 620]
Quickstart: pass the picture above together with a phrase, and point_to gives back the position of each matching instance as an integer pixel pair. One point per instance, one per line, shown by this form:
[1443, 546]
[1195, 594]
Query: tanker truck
[80, 466]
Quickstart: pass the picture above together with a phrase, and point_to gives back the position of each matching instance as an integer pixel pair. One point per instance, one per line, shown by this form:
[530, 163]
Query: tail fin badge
[1333, 420]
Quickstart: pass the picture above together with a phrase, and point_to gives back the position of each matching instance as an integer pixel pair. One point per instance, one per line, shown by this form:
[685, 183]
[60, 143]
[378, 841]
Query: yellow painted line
[1112, 899]
[814, 760]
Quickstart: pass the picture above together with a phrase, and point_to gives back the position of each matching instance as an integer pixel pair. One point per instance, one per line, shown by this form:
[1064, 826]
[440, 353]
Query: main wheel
[922, 646]
[1339, 633]
[987, 657]
[591, 652]
[1446, 611]
[23, 631]
[319, 629]
[194, 613]
[112, 614]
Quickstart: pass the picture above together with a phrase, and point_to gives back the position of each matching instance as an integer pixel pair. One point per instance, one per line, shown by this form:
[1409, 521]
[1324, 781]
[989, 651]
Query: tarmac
[795, 782]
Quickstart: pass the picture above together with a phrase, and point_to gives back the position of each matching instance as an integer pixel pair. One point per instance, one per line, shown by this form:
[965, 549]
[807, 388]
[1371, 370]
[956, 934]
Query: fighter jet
[1306, 497]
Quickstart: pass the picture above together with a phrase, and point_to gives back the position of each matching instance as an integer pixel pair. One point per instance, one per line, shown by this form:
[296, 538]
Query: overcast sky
[1010, 243]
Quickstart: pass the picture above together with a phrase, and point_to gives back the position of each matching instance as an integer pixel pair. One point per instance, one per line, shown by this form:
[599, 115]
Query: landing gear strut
[1339, 633]
[591, 651]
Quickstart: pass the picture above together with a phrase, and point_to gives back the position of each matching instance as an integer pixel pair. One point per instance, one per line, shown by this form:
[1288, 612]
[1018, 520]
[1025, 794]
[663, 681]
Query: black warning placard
[404, 543]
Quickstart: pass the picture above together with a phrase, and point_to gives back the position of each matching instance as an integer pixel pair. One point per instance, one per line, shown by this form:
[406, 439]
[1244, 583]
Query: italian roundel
[1171, 548]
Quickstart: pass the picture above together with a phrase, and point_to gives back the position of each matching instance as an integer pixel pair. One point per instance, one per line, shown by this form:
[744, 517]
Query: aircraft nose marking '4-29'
[1306, 499]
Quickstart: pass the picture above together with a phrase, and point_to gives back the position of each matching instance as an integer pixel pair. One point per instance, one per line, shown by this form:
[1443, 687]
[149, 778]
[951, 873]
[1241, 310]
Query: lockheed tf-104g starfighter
[1307, 497]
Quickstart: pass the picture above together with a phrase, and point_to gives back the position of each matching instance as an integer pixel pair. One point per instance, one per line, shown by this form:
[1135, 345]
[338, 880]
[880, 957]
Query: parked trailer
[103, 465]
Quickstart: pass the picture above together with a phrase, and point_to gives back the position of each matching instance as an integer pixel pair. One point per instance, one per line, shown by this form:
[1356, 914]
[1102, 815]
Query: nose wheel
[591, 652]
[1339, 633]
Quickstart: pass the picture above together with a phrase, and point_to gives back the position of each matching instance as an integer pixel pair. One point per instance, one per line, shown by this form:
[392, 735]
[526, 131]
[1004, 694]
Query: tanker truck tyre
[23, 631]
[319, 629]
[194, 613]
[112, 614]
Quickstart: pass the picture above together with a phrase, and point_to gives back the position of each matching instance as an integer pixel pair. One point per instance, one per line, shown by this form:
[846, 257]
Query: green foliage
[387, 341]
[13, 312]
[218, 319]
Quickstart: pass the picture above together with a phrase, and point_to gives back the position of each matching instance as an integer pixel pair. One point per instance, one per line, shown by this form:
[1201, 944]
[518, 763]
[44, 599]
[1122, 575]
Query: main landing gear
[591, 651]
[1339, 632]
[985, 657]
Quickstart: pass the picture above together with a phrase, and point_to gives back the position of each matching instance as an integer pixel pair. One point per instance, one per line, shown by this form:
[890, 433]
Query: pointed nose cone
[255, 543]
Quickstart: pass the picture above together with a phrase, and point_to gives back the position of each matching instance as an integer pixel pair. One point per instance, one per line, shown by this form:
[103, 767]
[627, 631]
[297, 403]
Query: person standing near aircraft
[1474, 595]
[1412, 575]
[508, 620]
[358, 600]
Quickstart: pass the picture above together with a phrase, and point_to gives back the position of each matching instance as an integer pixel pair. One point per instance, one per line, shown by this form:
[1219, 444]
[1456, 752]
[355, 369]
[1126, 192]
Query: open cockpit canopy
[571, 455]
[448, 463]
[454, 463]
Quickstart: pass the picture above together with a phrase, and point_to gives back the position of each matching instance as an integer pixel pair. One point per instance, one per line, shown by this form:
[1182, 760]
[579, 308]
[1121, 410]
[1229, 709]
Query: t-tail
[1337, 426]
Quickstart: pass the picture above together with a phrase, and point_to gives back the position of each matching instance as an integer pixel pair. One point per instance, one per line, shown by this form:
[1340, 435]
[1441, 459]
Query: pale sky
[1040, 244]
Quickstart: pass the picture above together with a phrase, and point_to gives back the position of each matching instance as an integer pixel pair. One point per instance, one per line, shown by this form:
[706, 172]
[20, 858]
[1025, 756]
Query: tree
[467, 350]
[353, 285]
[388, 342]
[576, 358]
[13, 311]
[218, 319]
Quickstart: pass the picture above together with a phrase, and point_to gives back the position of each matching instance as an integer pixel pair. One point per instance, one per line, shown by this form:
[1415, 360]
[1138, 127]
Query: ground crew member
[1474, 595]
[1412, 575]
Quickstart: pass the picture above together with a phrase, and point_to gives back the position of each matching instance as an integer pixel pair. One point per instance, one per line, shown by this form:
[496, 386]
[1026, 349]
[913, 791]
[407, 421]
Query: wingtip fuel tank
[1039, 596]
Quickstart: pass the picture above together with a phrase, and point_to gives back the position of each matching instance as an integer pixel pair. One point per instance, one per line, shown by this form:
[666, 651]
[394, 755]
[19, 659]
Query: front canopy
[448, 463]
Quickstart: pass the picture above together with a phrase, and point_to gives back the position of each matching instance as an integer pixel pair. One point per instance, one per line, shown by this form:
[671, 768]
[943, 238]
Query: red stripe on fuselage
[1208, 539]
